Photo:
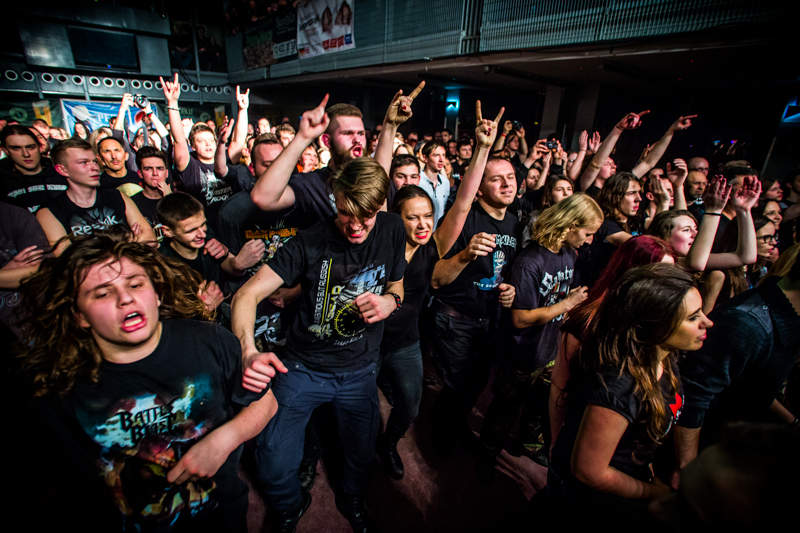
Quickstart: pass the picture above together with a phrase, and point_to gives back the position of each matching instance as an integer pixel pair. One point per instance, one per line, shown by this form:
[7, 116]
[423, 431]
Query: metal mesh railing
[515, 24]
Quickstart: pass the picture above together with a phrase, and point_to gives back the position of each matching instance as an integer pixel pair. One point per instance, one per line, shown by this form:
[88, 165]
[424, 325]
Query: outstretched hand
[595, 142]
[716, 195]
[659, 191]
[400, 109]
[583, 141]
[314, 122]
[225, 131]
[631, 121]
[486, 130]
[677, 172]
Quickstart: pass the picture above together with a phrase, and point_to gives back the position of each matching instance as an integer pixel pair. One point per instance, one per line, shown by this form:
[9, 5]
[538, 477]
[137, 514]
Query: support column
[584, 115]
[552, 107]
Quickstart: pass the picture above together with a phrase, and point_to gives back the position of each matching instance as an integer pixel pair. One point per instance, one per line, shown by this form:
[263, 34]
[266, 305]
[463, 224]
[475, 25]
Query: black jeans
[400, 379]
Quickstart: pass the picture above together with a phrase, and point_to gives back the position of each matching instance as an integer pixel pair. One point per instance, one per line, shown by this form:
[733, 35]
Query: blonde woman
[542, 275]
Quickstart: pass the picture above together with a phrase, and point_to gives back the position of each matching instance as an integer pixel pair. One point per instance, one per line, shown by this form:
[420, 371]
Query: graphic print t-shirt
[541, 279]
[141, 418]
[108, 210]
[241, 221]
[474, 292]
[30, 192]
[328, 334]
[200, 181]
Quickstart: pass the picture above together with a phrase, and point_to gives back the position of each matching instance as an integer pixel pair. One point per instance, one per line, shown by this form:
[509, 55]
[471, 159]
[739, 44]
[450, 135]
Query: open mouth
[356, 234]
[133, 321]
[421, 235]
[357, 151]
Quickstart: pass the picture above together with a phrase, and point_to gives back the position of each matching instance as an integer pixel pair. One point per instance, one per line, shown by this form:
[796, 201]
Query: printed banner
[26, 112]
[93, 115]
[324, 26]
[273, 40]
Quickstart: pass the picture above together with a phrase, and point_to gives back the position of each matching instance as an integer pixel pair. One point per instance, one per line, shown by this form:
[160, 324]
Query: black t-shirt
[473, 293]
[402, 328]
[200, 181]
[593, 191]
[108, 210]
[30, 192]
[313, 199]
[541, 279]
[110, 182]
[147, 207]
[207, 266]
[240, 221]
[526, 204]
[239, 178]
[600, 251]
[130, 428]
[613, 391]
[328, 335]
[19, 229]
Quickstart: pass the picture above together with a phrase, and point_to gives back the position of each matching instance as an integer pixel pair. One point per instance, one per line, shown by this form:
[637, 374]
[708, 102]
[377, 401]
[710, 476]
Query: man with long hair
[139, 396]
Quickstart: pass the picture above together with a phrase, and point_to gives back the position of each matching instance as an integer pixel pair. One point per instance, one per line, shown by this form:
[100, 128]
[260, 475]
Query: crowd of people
[179, 296]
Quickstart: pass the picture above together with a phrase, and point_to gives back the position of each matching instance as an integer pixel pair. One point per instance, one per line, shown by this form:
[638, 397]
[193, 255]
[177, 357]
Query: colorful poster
[42, 110]
[257, 46]
[26, 112]
[324, 26]
[93, 115]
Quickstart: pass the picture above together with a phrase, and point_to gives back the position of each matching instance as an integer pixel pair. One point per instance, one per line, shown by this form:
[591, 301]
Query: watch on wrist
[397, 300]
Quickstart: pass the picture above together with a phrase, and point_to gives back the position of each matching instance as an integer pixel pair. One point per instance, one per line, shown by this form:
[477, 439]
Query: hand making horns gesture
[400, 109]
[486, 130]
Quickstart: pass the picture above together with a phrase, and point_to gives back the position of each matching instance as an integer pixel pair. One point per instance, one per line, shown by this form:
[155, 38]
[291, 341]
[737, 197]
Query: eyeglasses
[768, 239]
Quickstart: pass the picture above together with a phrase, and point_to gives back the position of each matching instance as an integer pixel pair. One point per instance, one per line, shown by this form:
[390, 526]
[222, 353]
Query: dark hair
[639, 313]
[39, 121]
[57, 351]
[546, 199]
[429, 147]
[101, 141]
[343, 110]
[727, 243]
[150, 151]
[176, 207]
[16, 129]
[612, 194]
[59, 152]
[265, 138]
[464, 142]
[731, 172]
[664, 222]
[761, 206]
[403, 160]
[407, 193]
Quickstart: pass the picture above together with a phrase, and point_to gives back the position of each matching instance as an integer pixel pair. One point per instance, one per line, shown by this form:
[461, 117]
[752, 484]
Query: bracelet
[502, 135]
[397, 300]
[174, 109]
[712, 214]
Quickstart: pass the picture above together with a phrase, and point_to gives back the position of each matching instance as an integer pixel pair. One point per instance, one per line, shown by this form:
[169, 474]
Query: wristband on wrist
[502, 135]
[712, 214]
[397, 300]
[173, 108]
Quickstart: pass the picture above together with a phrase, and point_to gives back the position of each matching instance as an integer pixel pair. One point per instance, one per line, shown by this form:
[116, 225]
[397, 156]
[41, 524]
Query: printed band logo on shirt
[555, 287]
[213, 189]
[498, 261]
[336, 315]
[93, 219]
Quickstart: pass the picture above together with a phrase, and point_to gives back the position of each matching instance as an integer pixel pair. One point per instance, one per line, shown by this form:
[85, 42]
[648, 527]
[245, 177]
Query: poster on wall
[324, 26]
[93, 115]
[271, 41]
[26, 112]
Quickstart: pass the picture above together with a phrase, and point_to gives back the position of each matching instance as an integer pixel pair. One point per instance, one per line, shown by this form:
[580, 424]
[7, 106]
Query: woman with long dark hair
[624, 392]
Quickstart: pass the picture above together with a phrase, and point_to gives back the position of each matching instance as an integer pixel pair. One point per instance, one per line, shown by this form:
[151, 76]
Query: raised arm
[447, 270]
[676, 174]
[485, 134]
[127, 102]
[220, 161]
[501, 139]
[657, 152]
[660, 197]
[259, 368]
[172, 93]
[747, 249]
[629, 122]
[715, 197]
[523, 145]
[399, 111]
[240, 133]
[272, 191]
[583, 145]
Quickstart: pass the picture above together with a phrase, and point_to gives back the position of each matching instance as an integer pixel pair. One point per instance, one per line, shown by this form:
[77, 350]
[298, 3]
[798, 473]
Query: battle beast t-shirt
[474, 292]
[108, 210]
[541, 279]
[128, 430]
[328, 334]
[200, 181]
[241, 221]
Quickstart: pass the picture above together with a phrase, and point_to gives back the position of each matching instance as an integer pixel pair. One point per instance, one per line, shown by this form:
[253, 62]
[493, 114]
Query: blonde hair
[552, 226]
[363, 186]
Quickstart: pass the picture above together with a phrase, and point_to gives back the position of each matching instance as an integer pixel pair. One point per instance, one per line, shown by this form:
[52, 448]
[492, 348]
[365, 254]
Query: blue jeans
[400, 379]
[354, 398]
